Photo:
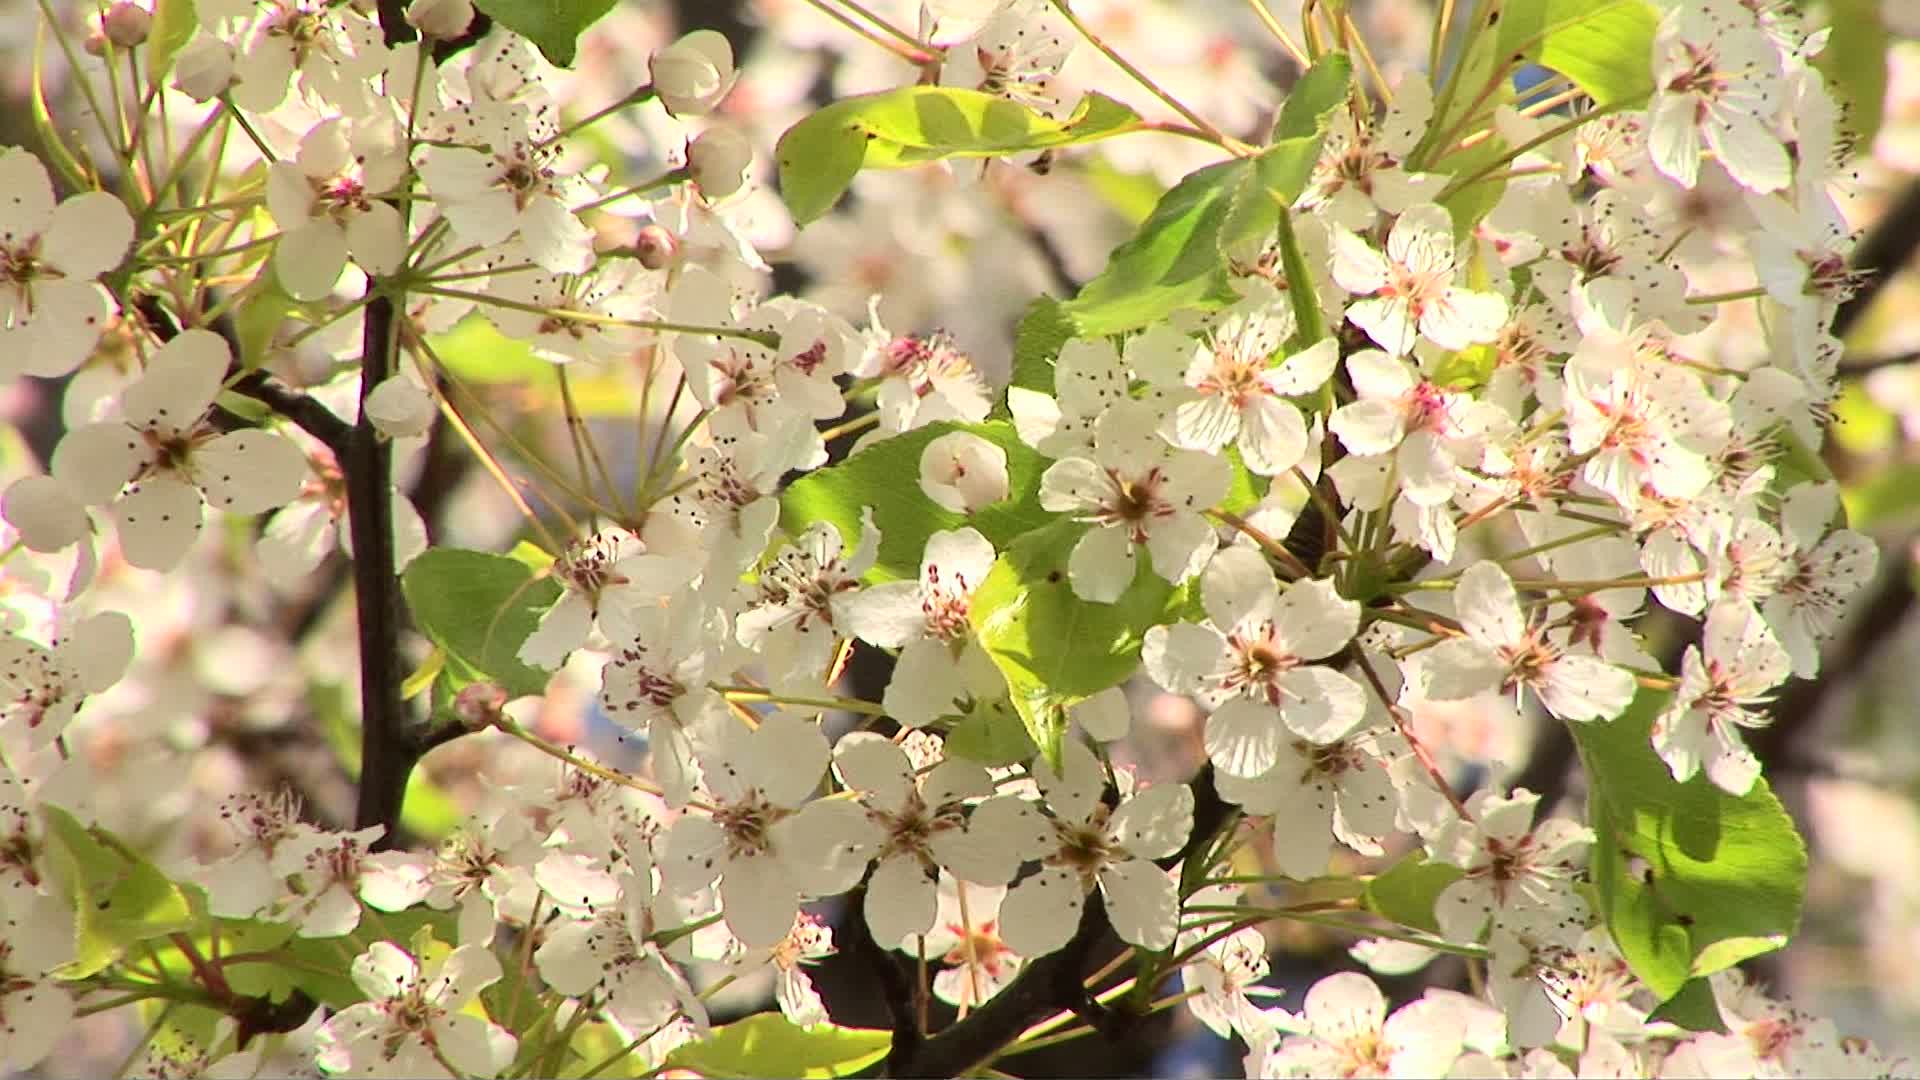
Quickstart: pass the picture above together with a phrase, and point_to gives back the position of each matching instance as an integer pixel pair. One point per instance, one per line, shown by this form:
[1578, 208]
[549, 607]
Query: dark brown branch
[388, 750]
[1881, 254]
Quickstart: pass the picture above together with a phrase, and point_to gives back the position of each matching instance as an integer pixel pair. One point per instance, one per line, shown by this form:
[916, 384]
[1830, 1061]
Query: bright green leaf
[1690, 879]
[173, 25]
[1053, 647]
[553, 25]
[1173, 262]
[1036, 344]
[1318, 92]
[119, 898]
[1692, 1008]
[768, 1044]
[1855, 64]
[993, 735]
[1604, 46]
[885, 477]
[480, 608]
[819, 156]
[1406, 891]
[257, 321]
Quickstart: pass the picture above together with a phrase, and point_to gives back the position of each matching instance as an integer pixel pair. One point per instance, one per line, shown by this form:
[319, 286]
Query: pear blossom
[1723, 681]
[1824, 570]
[1339, 790]
[1136, 491]
[1360, 173]
[809, 942]
[1510, 862]
[962, 472]
[413, 1023]
[508, 183]
[1088, 843]
[1505, 650]
[1088, 376]
[608, 952]
[1641, 424]
[41, 688]
[605, 579]
[805, 601]
[923, 380]
[1227, 973]
[658, 680]
[335, 873]
[1409, 291]
[167, 456]
[52, 308]
[335, 51]
[966, 936]
[1252, 662]
[1717, 81]
[327, 203]
[692, 75]
[1230, 391]
[763, 840]
[35, 1009]
[604, 297]
[1017, 53]
[941, 667]
[1431, 432]
[1349, 1033]
[915, 827]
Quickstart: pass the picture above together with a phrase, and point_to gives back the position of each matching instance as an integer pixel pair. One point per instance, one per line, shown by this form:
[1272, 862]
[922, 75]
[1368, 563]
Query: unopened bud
[717, 161]
[440, 20]
[656, 247]
[479, 705]
[691, 75]
[96, 43]
[127, 24]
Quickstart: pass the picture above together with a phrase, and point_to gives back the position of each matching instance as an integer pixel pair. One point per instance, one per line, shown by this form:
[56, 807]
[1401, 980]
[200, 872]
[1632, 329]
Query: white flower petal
[1041, 913]
[159, 521]
[1155, 823]
[901, 901]
[1243, 737]
[758, 900]
[250, 471]
[1142, 903]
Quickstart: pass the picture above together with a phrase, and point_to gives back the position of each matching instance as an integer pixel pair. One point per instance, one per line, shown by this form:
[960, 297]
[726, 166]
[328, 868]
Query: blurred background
[250, 684]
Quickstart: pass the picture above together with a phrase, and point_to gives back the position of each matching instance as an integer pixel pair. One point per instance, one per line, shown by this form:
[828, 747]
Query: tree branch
[388, 752]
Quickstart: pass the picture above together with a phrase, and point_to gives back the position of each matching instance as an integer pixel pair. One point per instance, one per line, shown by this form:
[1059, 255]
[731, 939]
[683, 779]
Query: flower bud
[127, 24]
[204, 68]
[691, 75]
[656, 247]
[717, 160]
[963, 472]
[440, 20]
[479, 705]
[399, 408]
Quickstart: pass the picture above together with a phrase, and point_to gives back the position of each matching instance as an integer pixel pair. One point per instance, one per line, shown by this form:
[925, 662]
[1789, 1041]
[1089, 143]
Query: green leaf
[768, 1044]
[1036, 344]
[1690, 879]
[479, 608]
[1855, 64]
[1406, 891]
[1604, 46]
[1692, 1008]
[1313, 97]
[993, 735]
[173, 26]
[119, 898]
[819, 156]
[553, 25]
[1173, 262]
[257, 321]
[320, 966]
[1053, 647]
[885, 476]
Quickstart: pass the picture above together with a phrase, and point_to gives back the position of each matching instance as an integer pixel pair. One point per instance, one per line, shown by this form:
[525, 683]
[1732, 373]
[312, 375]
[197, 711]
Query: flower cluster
[1493, 386]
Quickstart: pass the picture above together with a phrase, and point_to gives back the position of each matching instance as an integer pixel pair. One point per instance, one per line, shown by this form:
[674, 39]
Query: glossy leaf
[1690, 880]
[553, 25]
[1173, 262]
[1053, 647]
[119, 898]
[768, 1044]
[1604, 46]
[479, 608]
[819, 156]
[1036, 344]
[885, 477]
[1406, 891]
[173, 25]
